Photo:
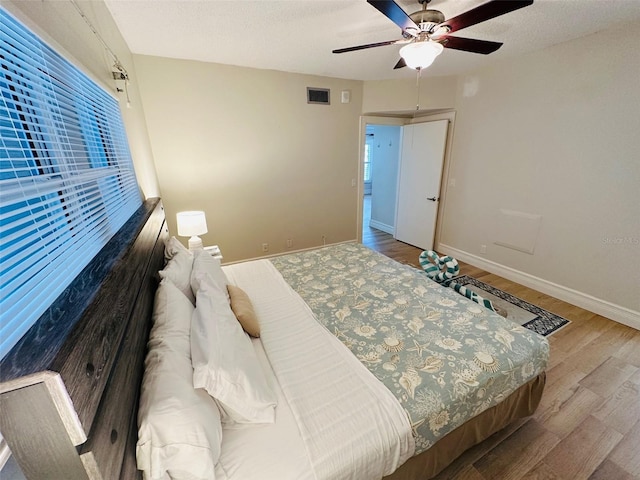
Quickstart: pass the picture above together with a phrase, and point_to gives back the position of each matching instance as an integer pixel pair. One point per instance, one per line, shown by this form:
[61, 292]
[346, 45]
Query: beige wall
[59, 24]
[244, 146]
[388, 96]
[554, 133]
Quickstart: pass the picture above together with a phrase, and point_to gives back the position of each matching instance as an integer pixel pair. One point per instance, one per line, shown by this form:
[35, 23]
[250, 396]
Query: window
[368, 145]
[367, 162]
[67, 182]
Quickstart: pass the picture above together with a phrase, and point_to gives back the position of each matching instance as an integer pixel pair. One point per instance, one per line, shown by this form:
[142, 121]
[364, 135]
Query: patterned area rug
[529, 316]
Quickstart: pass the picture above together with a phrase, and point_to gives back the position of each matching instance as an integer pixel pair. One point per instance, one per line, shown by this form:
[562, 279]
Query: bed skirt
[520, 404]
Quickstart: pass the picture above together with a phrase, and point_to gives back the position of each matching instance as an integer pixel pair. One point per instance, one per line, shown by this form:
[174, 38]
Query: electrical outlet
[265, 247]
[289, 243]
[483, 249]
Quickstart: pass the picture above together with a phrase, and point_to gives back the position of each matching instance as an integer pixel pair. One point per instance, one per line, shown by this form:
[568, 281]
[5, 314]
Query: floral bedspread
[445, 358]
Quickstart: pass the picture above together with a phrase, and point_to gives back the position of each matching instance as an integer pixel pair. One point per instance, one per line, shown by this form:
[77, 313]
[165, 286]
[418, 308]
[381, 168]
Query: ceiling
[298, 35]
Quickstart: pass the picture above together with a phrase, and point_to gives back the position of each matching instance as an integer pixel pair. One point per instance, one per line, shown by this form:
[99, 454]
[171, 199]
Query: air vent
[318, 95]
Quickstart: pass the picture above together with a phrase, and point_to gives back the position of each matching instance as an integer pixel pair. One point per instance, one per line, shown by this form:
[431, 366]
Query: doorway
[382, 155]
[373, 216]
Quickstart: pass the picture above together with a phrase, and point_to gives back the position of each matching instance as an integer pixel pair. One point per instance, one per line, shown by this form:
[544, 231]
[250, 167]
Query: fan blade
[470, 45]
[484, 12]
[369, 45]
[401, 63]
[395, 13]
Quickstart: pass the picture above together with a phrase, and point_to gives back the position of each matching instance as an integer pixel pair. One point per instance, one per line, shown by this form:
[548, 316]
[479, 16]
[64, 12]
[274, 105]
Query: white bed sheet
[348, 424]
[265, 451]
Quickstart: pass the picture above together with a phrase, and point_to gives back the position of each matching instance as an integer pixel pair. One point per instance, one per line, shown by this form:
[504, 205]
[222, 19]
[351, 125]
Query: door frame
[404, 120]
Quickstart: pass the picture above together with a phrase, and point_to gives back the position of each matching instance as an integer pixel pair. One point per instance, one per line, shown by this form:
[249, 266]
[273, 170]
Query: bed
[375, 371]
[458, 371]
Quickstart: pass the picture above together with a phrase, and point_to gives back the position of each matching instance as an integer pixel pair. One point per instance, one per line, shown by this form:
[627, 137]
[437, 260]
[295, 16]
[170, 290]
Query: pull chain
[418, 87]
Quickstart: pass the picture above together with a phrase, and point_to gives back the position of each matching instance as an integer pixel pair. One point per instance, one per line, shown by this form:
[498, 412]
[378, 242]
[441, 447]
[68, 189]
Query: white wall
[385, 155]
[243, 145]
[59, 24]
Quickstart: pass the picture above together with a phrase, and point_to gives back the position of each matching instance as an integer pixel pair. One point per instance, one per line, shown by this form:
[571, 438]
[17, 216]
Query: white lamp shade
[420, 55]
[191, 223]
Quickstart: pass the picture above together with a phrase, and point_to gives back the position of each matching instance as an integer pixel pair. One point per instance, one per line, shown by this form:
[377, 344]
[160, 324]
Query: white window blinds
[67, 182]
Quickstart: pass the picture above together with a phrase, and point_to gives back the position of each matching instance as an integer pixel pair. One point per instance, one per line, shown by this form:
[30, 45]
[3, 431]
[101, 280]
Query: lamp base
[195, 243]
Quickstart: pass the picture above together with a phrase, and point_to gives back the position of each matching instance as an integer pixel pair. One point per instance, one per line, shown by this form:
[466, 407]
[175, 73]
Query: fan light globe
[419, 55]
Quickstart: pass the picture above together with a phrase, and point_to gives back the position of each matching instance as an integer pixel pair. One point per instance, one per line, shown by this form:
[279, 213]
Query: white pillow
[224, 361]
[179, 427]
[173, 246]
[204, 263]
[178, 270]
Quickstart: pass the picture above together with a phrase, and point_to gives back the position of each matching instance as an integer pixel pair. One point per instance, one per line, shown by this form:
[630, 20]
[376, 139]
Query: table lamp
[191, 224]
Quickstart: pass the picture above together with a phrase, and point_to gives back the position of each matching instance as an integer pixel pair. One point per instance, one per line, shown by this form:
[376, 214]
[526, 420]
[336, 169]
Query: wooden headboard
[69, 389]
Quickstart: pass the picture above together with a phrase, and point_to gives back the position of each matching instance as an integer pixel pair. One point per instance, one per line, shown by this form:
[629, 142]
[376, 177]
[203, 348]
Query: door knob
[433, 199]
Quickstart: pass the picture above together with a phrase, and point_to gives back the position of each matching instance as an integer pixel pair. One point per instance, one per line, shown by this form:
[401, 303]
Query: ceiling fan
[426, 32]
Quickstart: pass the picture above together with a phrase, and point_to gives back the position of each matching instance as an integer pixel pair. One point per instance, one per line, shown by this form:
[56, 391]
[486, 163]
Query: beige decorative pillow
[243, 310]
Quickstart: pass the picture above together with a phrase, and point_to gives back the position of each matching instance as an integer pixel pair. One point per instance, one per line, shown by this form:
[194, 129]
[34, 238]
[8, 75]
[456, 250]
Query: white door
[421, 161]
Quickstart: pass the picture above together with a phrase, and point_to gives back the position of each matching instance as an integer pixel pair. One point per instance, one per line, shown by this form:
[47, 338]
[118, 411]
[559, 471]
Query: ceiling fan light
[420, 55]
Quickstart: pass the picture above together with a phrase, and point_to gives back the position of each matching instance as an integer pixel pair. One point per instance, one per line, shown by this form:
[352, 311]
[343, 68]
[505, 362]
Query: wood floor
[588, 423]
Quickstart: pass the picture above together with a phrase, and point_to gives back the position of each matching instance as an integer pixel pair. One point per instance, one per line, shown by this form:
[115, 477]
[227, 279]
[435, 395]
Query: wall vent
[318, 95]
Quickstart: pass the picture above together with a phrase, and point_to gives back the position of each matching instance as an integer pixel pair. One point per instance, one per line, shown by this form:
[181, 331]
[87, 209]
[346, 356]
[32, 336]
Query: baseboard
[593, 304]
[382, 226]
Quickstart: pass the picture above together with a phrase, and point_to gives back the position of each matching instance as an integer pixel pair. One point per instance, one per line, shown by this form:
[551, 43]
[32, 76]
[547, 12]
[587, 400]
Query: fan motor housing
[427, 16]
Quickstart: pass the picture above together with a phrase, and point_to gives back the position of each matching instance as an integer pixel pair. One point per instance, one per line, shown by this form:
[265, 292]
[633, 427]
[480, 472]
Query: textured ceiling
[298, 35]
